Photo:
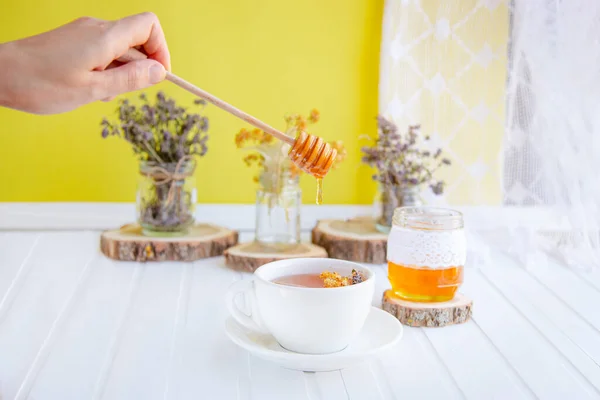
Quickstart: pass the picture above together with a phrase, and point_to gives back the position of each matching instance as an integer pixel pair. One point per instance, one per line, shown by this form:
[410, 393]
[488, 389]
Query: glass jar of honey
[426, 253]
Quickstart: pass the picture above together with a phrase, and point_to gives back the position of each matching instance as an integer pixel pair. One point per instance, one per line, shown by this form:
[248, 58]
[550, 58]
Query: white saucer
[381, 331]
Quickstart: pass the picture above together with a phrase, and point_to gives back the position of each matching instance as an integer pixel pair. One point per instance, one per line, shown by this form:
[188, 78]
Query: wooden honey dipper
[310, 153]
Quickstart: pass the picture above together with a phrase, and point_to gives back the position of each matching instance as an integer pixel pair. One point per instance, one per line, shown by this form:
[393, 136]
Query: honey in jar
[426, 253]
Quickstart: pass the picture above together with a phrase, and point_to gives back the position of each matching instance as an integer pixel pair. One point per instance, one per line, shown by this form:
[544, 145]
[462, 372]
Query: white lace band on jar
[427, 249]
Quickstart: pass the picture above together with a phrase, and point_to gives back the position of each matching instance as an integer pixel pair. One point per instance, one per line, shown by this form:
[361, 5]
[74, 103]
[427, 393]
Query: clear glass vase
[390, 197]
[166, 198]
[278, 202]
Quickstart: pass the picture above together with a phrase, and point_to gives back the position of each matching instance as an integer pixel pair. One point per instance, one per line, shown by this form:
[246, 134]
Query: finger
[113, 64]
[142, 30]
[129, 77]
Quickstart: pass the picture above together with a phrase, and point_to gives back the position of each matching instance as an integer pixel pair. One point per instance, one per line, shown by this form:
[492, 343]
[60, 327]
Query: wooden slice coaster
[202, 241]
[455, 311]
[355, 239]
[249, 256]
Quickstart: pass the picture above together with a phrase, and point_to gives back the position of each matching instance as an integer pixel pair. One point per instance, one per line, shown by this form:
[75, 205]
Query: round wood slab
[355, 239]
[249, 256]
[202, 241]
[455, 311]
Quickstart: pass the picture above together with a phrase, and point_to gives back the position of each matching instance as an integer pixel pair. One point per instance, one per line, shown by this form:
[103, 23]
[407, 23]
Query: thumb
[134, 75]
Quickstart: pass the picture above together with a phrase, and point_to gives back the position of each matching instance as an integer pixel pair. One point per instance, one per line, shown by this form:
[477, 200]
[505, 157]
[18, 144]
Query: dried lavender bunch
[162, 132]
[399, 159]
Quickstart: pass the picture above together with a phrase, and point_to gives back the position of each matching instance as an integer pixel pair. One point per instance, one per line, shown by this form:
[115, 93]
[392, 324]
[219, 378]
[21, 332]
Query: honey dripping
[314, 156]
[319, 191]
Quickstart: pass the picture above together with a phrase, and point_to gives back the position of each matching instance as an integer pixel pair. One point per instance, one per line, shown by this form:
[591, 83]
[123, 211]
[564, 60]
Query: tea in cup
[289, 300]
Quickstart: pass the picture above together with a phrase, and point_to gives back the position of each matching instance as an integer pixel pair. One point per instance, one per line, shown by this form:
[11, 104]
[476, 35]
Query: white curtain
[552, 143]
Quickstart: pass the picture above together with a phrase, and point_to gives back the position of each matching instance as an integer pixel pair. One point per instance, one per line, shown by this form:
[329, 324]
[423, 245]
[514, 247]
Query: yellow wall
[268, 57]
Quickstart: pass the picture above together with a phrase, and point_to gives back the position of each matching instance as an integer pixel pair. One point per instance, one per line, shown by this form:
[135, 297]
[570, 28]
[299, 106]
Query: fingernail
[157, 73]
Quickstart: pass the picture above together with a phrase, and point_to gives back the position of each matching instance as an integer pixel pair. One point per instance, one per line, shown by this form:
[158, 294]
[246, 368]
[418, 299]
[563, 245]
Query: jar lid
[428, 218]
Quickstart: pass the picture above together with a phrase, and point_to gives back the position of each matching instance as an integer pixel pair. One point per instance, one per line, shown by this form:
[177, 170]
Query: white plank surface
[75, 325]
[38, 302]
[540, 363]
[83, 351]
[204, 360]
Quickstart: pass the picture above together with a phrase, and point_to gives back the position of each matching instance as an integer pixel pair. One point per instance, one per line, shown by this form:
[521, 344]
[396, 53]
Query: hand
[75, 64]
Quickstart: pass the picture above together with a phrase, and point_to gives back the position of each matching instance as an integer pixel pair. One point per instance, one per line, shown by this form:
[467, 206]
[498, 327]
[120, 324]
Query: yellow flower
[266, 138]
[289, 118]
[314, 116]
[341, 152]
[256, 134]
[245, 137]
[294, 170]
[300, 122]
[301, 125]
[240, 137]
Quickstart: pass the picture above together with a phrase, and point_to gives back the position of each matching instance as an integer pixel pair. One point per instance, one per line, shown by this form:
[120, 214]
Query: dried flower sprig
[270, 155]
[163, 132]
[400, 160]
[333, 279]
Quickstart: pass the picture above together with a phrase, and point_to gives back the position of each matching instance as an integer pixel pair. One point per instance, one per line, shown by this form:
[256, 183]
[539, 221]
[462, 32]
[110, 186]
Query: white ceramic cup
[305, 320]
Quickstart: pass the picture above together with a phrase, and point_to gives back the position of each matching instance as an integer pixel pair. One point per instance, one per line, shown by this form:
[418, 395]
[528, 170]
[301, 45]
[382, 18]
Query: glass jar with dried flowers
[167, 139]
[279, 197]
[404, 163]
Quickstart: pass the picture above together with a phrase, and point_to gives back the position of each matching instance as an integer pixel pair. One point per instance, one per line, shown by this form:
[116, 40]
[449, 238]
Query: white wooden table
[75, 325]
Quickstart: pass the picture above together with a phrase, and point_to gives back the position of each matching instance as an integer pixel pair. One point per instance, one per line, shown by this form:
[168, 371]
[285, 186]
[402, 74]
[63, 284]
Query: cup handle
[252, 321]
